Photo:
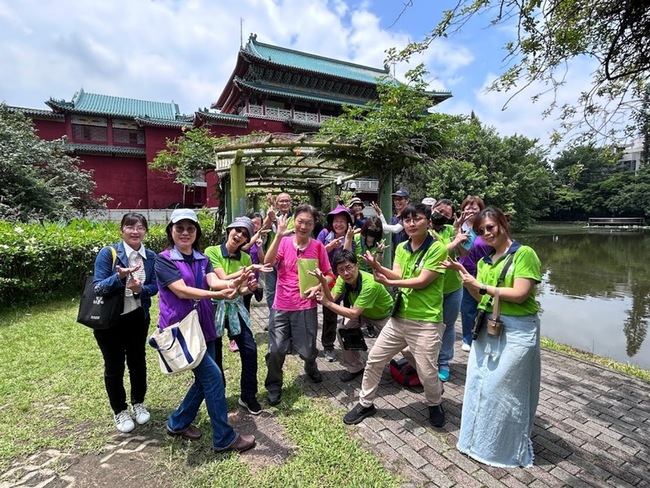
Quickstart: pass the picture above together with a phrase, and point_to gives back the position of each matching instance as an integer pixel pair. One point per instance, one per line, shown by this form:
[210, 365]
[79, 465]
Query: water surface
[595, 291]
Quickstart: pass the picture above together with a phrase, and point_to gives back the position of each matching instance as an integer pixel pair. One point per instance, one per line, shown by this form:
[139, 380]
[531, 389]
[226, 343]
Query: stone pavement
[592, 427]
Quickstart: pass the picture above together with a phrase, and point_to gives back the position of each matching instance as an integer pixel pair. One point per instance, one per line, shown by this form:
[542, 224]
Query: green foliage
[38, 261]
[548, 35]
[510, 173]
[39, 180]
[393, 131]
[188, 155]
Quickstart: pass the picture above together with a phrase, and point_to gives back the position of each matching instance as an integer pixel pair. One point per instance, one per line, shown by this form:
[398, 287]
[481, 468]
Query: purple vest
[174, 309]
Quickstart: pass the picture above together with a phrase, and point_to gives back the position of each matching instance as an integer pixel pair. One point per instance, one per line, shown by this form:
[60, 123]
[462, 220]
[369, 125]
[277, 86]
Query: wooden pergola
[303, 163]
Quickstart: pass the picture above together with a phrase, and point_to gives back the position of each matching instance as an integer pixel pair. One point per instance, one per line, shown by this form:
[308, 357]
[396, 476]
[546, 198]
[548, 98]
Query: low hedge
[41, 261]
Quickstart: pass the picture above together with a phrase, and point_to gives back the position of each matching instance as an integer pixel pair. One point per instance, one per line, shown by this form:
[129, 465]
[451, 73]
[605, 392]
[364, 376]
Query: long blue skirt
[501, 394]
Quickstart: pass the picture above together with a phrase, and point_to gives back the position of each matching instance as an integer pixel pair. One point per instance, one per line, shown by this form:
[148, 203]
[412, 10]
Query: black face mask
[437, 219]
[374, 233]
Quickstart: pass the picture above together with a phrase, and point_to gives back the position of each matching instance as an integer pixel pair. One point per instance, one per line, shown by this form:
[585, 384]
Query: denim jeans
[450, 309]
[125, 342]
[248, 354]
[208, 386]
[270, 281]
[468, 309]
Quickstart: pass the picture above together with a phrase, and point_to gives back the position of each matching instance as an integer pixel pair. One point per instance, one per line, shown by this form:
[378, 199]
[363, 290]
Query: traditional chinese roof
[180, 121]
[290, 74]
[96, 104]
[295, 94]
[288, 58]
[125, 151]
[205, 116]
[36, 113]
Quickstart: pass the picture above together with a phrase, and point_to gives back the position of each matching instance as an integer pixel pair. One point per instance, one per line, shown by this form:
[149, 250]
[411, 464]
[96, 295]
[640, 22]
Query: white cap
[183, 214]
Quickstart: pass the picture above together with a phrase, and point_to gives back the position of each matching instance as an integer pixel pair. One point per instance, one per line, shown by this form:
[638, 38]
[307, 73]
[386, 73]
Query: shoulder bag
[481, 314]
[100, 311]
[181, 346]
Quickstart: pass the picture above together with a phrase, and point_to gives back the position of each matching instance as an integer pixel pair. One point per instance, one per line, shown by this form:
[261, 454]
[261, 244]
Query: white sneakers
[124, 422]
[140, 413]
[466, 347]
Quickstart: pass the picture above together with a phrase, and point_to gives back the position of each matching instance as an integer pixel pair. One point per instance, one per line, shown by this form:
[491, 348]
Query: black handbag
[100, 311]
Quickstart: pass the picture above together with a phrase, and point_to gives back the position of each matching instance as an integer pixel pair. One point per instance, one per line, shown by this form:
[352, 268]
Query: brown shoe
[190, 433]
[241, 443]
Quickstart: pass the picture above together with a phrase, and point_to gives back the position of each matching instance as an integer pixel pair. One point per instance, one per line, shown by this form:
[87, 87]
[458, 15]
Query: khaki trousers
[423, 339]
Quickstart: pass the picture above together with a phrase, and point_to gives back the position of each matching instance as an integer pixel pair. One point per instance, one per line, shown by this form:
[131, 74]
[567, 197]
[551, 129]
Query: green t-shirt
[373, 298]
[452, 281]
[220, 258]
[526, 264]
[424, 304]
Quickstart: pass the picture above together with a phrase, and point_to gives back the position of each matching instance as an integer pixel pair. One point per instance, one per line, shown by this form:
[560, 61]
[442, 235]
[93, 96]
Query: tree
[510, 173]
[39, 180]
[548, 34]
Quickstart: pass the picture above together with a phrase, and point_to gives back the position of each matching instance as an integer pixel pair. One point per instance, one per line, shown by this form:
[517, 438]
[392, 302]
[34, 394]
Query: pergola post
[237, 187]
[386, 205]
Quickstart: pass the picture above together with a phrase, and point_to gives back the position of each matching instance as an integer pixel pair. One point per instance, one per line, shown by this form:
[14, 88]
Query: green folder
[305, 280]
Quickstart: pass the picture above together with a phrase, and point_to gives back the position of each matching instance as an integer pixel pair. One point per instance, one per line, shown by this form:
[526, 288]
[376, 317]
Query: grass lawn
[52, 396]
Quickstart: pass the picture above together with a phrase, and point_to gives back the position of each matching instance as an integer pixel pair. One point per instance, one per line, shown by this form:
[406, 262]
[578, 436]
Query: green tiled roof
[96, 104]
[311, 62]
[288, 93]
[77, 148]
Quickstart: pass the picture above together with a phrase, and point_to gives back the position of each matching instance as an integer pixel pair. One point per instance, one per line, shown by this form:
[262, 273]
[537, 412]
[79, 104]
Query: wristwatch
[483, 289]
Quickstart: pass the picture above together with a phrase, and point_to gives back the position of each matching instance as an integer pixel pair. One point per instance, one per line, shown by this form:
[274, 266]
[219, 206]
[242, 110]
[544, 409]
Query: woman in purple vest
[186, 279]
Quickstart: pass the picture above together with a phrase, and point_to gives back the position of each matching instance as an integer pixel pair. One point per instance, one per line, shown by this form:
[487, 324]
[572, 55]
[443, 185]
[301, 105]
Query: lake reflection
[595, 291]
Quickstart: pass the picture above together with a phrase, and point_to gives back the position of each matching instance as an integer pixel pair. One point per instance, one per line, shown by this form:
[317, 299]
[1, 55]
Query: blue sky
[184, 51]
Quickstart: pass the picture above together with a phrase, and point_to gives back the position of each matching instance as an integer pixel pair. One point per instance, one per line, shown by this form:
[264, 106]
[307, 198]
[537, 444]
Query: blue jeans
[468, 308]
[270, 281]
[248, 354]
[208, 386]
[450, 309]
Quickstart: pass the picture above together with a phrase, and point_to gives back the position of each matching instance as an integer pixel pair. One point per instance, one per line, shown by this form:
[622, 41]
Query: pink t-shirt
[287, 289]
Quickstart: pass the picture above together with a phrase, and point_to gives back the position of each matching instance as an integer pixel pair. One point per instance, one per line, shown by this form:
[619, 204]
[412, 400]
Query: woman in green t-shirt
[503, 370]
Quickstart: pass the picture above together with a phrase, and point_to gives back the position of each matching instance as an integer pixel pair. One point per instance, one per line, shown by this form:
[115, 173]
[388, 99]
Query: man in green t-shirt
[365, 302]
[417, 319]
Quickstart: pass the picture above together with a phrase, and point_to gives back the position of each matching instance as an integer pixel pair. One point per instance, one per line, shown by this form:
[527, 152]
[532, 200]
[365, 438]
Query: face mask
[374, 233]
[438, 219]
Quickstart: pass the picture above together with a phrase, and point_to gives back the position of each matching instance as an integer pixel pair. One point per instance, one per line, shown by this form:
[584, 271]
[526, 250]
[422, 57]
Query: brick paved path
[592, 427]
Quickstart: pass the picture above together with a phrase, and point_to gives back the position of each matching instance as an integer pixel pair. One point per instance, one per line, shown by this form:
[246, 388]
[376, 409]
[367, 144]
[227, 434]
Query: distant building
[271, 89]
[632, 157]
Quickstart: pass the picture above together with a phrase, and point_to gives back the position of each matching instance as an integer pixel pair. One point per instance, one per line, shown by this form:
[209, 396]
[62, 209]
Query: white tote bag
[180, 346]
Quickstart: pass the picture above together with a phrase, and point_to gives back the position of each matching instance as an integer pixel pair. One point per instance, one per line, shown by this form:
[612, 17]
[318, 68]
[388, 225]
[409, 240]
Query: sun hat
[183, 214]
[355, 201]
[340, 209]
[244, 223]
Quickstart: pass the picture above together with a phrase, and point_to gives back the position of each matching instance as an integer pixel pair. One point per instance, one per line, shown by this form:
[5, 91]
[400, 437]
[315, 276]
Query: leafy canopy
[549, 34]
[39, 180]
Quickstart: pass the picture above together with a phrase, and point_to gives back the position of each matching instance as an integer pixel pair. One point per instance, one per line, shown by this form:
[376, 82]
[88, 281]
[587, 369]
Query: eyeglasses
[284, 201]
[416, 220]
[134, 228]
[304, 223]
[242, 231]
[190, 230]
[488, 228]
[345, 269]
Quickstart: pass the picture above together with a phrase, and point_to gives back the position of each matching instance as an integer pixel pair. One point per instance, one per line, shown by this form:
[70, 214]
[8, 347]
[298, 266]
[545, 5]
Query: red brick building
[271, 89]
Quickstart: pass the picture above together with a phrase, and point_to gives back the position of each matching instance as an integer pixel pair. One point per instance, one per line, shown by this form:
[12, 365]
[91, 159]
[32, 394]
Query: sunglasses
[488, 228]
[242, 231]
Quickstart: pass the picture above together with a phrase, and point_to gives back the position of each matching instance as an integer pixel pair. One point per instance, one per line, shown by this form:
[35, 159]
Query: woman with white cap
[230, 262]
[186, 280]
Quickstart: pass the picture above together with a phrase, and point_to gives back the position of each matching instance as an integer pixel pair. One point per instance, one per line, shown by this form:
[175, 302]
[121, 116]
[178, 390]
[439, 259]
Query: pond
[595, 291]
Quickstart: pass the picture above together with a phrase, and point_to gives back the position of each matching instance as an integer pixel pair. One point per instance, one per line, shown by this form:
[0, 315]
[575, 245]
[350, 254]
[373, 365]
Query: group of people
[444, 264]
